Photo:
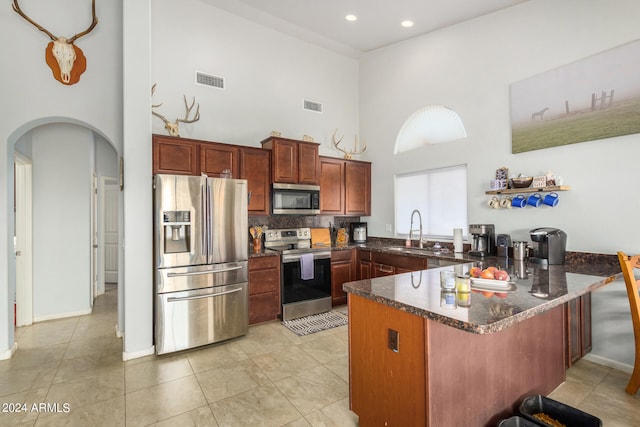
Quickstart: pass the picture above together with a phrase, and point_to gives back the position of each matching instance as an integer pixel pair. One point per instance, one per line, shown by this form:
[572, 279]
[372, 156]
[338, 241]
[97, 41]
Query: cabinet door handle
[385, 268]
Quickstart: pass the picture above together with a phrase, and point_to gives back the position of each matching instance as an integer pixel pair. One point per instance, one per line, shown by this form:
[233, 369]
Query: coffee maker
[484, 241]
[549, 245]
[358, 232]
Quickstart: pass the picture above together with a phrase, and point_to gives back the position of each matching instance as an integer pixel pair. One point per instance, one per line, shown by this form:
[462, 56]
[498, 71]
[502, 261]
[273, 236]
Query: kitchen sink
[413, 251]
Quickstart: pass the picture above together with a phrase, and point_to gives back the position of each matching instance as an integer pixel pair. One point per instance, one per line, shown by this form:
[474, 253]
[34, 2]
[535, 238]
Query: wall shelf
[530, 190]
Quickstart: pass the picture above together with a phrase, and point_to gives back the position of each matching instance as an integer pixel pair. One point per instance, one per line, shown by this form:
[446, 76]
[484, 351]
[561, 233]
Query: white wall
[267, 75]
[469, 68]
[32, 97]
[61, 220]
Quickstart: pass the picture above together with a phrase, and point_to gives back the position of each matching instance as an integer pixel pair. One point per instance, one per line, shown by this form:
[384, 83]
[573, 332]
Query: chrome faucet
[416, 211]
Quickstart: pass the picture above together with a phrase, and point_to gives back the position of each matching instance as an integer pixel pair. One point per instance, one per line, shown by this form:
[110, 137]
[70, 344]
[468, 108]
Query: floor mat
[315, 323]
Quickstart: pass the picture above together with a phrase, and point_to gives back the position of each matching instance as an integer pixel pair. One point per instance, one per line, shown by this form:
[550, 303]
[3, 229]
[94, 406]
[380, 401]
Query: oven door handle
[199, 273]
[296, 257]
[174, 299]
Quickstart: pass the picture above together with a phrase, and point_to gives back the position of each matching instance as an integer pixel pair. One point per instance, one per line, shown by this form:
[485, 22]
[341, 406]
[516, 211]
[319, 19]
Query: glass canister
[448, 300]
[448, 280]
[463, 283]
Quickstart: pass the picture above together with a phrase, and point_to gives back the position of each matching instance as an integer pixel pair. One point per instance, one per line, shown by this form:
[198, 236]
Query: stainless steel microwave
[295, 199]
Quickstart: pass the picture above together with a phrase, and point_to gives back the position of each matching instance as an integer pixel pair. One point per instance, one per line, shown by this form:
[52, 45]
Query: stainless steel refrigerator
[201, 269]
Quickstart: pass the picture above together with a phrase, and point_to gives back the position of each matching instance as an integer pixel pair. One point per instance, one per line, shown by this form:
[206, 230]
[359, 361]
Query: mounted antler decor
[172, 128]
[350, 153]
[66, 60]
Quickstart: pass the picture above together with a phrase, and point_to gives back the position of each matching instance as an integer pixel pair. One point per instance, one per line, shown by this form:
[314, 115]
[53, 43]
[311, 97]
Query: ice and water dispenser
[177, 231]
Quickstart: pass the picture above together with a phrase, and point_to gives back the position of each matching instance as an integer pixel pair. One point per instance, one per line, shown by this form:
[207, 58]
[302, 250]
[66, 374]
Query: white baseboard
[137, 354]
[62, 315]
[7, 354]
[609, 363]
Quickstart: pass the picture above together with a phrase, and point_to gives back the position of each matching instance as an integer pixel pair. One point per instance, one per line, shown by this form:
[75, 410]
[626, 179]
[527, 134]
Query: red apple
[475, 271]
[487, 274]
[501, 275]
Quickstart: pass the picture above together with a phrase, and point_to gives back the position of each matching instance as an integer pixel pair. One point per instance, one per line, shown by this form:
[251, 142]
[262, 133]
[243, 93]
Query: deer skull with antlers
[66, 60]
[348, 154]
[172, 127]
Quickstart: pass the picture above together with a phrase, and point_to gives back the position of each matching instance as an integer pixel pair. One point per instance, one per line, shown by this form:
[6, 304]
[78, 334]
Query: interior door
[110, 240]
[23, 242]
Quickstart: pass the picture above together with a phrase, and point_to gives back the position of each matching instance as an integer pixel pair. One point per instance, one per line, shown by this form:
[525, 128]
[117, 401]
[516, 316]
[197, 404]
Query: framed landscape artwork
[594, 98]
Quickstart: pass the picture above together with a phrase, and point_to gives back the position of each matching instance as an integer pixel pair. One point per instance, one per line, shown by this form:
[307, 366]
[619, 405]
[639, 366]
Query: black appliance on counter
[549, 245]
[358, 232]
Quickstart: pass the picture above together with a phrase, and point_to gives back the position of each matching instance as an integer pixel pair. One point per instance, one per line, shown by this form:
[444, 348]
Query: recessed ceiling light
[351, 18]
[407, 23]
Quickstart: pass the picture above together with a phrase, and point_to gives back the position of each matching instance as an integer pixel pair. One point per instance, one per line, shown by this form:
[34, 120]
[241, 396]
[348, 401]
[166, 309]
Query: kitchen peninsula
[417, 358]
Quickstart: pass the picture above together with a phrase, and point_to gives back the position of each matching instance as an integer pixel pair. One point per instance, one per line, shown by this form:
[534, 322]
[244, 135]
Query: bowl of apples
[491, 279]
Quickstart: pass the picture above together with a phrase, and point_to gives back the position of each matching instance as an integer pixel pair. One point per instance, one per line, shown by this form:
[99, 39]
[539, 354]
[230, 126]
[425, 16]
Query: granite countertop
[419, 292]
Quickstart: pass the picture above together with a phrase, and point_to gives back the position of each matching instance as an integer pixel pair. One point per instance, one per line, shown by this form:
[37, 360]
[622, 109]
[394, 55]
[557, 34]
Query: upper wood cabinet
[358, 188]
[255, 168]
[175, 156]
[215, 158]
[332, 186]
[345, 187]
[293, 162]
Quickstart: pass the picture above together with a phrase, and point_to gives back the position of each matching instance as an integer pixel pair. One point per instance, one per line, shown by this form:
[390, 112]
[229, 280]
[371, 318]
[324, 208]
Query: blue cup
[519, 201]
[551, 199]
[534, 200]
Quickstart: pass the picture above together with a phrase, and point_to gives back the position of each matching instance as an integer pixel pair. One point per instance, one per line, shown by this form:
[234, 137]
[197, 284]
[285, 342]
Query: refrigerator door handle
[205, 221]
[174, 299]
[198, 273]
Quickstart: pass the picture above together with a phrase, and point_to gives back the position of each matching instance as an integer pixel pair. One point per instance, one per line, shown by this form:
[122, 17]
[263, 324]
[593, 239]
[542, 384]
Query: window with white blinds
[441, 197]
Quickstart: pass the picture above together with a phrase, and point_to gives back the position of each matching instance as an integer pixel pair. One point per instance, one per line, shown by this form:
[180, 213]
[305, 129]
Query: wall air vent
[312, 106]
[209, 80]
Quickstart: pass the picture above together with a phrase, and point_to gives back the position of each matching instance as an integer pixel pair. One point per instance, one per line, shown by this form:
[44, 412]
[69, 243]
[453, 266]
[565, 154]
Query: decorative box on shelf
[530, 190]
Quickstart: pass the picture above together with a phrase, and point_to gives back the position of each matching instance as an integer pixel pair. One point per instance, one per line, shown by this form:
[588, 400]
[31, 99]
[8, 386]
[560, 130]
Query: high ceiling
[378, 22]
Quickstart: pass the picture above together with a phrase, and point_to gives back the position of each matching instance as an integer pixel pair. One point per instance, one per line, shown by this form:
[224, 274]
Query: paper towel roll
[457, 239]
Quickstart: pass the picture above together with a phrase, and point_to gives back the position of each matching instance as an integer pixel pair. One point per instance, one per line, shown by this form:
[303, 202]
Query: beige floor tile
[34, 358]
[229, 380]
[326, 349]
[314, 389]
[340, 367]
[334, 415]
[87, 366]
[105, 413]
[588, 372]
[21, 380]
[261, 406]
[284, 363]
[216, 355]
[200, 417]
[17, 408]
[163, 401]
[300, 422]
[157, 371]
[263, 339]
[96, 345]
[88, 390]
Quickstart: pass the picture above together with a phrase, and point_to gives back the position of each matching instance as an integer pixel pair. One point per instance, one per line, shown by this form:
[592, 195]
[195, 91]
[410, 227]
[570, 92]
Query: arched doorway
[67, 157]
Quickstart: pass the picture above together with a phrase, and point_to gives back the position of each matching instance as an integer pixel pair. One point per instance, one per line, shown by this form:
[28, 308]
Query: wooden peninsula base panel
[441, 376]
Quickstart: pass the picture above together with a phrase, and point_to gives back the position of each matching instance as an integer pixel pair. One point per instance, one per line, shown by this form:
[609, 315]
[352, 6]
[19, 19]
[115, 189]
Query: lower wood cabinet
[385, 264]
[363, 264]
[578, 328]
[342, 271]
[264, 289]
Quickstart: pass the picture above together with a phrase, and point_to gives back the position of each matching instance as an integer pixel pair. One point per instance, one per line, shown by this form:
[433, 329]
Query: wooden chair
[628, 263]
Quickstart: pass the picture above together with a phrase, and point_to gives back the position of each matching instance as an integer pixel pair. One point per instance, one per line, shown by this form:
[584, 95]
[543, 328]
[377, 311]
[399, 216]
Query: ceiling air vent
[312, 106]
[209, 80]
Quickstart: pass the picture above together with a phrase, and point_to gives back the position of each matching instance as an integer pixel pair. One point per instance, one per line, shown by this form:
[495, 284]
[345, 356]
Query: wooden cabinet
[215, 158]
[255, 168]
[345, 187]
[264, 289]
[342, 271]
[387, 380]
[578, 328]
[177, 156]
[293, 162]
[363, 264]
[332, 186]
[384, 264]
[357, 188]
